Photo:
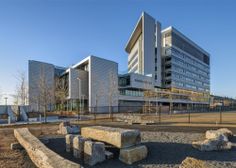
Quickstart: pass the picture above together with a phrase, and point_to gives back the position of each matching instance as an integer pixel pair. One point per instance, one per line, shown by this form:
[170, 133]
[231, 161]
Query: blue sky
[63, 32]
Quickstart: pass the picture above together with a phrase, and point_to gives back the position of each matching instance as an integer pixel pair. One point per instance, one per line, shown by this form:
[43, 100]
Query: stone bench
[118, 137]
[39, 153]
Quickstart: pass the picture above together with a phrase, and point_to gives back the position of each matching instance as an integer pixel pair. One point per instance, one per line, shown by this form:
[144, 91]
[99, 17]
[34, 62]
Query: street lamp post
[79, 112]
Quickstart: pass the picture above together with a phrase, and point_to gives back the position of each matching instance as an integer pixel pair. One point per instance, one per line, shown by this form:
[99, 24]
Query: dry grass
[201, 118]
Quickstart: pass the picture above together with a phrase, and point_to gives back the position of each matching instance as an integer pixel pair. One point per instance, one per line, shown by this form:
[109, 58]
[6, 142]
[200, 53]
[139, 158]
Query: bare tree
[43, 93]
[113, 91]
[61, 91]
[146, 97]
[21, 95]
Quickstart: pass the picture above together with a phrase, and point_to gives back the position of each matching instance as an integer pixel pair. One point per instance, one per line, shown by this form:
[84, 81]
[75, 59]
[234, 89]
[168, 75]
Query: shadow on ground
[159, 154]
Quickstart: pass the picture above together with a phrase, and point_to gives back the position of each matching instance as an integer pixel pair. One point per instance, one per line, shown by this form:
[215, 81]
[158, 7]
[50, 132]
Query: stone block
[118, 137]
[94, 152]
[133, 154]
[69, 142]
[78, 146]
[41, 156]
[67, 128]
[212, 145]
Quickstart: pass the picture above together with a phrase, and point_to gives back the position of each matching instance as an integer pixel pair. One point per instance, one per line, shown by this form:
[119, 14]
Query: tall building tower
[185, 64]
[144, 49]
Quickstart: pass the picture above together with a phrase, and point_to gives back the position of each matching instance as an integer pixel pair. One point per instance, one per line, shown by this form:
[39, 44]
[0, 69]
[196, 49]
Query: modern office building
[144, 49]
[164, 67]
[93, 80]
[185, 64]
[168, 56]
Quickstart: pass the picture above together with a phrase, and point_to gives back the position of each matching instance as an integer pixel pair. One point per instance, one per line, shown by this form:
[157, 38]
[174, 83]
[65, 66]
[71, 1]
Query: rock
[120, 138]
[212, 145]
[66, 128]
[190, 162]
[133, 154]
[63, 124]
[16, 146]
[226, 132]
[94, 152]
[214, 134]
[109, 155]
[41, 156]
[78, 146]
[69, 142]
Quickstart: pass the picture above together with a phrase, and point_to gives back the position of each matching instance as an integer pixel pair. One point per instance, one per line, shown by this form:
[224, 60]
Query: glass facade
[184, 70]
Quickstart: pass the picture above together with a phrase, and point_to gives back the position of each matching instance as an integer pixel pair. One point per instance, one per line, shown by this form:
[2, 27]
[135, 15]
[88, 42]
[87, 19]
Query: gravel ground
[166, 149]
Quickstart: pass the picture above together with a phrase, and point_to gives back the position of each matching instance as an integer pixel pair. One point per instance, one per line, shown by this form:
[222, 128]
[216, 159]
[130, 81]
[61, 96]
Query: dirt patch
[15, 159]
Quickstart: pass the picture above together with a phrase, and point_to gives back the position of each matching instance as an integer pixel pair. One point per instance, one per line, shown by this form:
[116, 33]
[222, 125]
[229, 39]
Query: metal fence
[163, 114]
[154, 114]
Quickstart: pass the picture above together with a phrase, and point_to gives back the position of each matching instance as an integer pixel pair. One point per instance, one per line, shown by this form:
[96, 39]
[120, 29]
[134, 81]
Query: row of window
[183, 78]
[186, 58]
[133, 63]
[133, 56]
[189, 66]
[133, 69]
[131, 93]
[189, 86]
[189, 73]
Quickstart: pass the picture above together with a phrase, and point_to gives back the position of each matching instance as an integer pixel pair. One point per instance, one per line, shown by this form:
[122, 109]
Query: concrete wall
[101, 83]
[38, 71]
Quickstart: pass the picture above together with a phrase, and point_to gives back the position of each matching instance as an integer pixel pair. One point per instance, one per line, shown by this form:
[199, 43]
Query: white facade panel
[103, 82]
[40, 72]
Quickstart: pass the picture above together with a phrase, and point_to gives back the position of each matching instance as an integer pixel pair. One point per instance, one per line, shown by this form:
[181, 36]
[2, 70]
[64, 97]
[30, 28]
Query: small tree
[43, 93]
[21, 95]
[113, 91]
[61, 91]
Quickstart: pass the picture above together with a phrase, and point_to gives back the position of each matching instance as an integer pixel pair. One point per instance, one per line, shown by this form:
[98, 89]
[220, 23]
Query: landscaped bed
[166, 149]
[168, 146]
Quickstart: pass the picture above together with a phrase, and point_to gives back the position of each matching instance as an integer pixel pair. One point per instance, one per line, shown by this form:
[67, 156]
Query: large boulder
[133, 154]
[213, 144]
[94, 152]
[215, 134]
[118, 137]
[226, 132]
[190, 162]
